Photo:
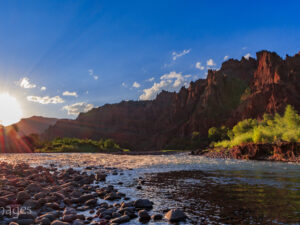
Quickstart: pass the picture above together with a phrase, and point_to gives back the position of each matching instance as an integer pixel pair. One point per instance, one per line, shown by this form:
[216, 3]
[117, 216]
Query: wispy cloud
[177, 55]
[91, 72]
[43, 88]
[136, 85]
[150, 79]
[124, 84]
[170, 82]
[68, 93]
[25, 83]
[210, 62]
[45, 100]
[78, 107]
[226, 57]
[199, 66]
[247, 56]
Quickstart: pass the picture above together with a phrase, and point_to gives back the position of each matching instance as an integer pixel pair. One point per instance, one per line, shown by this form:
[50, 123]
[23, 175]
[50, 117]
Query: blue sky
[88, 53]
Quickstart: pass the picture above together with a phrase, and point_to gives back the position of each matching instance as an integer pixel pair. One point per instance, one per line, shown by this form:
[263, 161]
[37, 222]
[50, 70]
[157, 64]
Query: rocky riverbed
[40, 195]
[206, 190]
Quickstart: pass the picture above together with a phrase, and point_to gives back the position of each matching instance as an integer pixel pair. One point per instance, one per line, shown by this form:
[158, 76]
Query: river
[210, 191]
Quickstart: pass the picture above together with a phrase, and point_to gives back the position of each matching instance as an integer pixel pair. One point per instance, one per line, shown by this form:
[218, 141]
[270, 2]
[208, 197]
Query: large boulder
[143, 204]
[175, 215]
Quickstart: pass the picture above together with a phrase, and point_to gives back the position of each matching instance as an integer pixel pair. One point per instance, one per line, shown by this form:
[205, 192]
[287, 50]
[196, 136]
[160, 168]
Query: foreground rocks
[48, 196]
[175, 215]
[282, 151]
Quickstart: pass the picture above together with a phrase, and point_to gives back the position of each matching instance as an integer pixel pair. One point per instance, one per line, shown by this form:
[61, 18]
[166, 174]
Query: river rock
[43, 221]
[91, 202]
[22, 196]
[23, 216]
[50, 216]
[100, 176]
[122, 219]
[69, 210]
[143, 204]
[3, 201]
[58, 222]
[175, 215]
[86, 197]
[33, 188]
[25, 221]
[78, 222]
[144, 215]
[156, 217]
[111, 196]
[69, 218]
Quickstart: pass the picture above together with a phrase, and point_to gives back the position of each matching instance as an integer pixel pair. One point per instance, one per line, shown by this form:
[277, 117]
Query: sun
[10, 110]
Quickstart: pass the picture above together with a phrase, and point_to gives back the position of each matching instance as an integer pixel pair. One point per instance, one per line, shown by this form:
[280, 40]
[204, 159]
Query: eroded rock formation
[239, 90]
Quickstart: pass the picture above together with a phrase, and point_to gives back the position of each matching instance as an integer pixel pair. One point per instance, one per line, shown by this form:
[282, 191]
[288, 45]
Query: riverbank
[282, 151]
[41, 195]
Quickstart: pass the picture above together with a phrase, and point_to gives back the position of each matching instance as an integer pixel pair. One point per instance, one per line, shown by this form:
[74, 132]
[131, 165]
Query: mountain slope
[33, 125]
[240, 89]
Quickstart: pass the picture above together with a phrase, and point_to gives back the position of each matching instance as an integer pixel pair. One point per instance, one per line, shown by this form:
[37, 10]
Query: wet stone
[175, 215]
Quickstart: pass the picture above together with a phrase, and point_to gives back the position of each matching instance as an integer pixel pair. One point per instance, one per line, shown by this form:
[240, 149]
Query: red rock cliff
[240, 89]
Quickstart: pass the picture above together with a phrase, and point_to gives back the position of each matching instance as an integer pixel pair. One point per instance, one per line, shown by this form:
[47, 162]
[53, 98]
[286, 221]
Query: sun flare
[10, 110]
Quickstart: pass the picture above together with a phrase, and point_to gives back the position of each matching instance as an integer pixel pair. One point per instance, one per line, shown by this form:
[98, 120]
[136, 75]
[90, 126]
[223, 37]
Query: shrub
[269, 129]
[78, 145]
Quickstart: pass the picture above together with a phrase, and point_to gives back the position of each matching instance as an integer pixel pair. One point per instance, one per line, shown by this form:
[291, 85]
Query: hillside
[33, 125]
[239, 89]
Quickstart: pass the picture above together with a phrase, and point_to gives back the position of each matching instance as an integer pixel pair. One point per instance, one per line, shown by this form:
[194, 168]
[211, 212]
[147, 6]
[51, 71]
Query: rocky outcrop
[275, 83]
[240, 89]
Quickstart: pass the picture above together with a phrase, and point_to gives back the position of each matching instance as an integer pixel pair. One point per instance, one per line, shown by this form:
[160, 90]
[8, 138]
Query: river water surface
[210, 191]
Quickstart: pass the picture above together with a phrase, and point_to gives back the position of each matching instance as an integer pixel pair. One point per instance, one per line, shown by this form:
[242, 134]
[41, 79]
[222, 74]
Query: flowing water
[210, 191]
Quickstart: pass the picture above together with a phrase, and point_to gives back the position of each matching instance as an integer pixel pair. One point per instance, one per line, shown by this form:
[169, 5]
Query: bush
[78, 145]
[217, 134]
[270, 129]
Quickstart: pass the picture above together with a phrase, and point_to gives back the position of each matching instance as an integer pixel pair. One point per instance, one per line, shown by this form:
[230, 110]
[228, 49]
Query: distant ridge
[33, 125]
[240, 89]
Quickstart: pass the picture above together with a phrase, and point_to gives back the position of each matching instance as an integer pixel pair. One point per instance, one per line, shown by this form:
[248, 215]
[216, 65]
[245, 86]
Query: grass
[170, 150]
[268, 130]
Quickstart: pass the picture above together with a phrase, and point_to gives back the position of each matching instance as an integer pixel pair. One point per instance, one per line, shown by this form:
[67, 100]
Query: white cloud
[247, 56]
[244, 48]
[199, 66]
[45, 100]
[43, 88]
[124, 84]
[170, 82]
[177, 55]
[210, 62]
[226, 57]
[136, 85]
[91, 72]
[77, 108]
[67, 93]
[25, 83]
[150, 79]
